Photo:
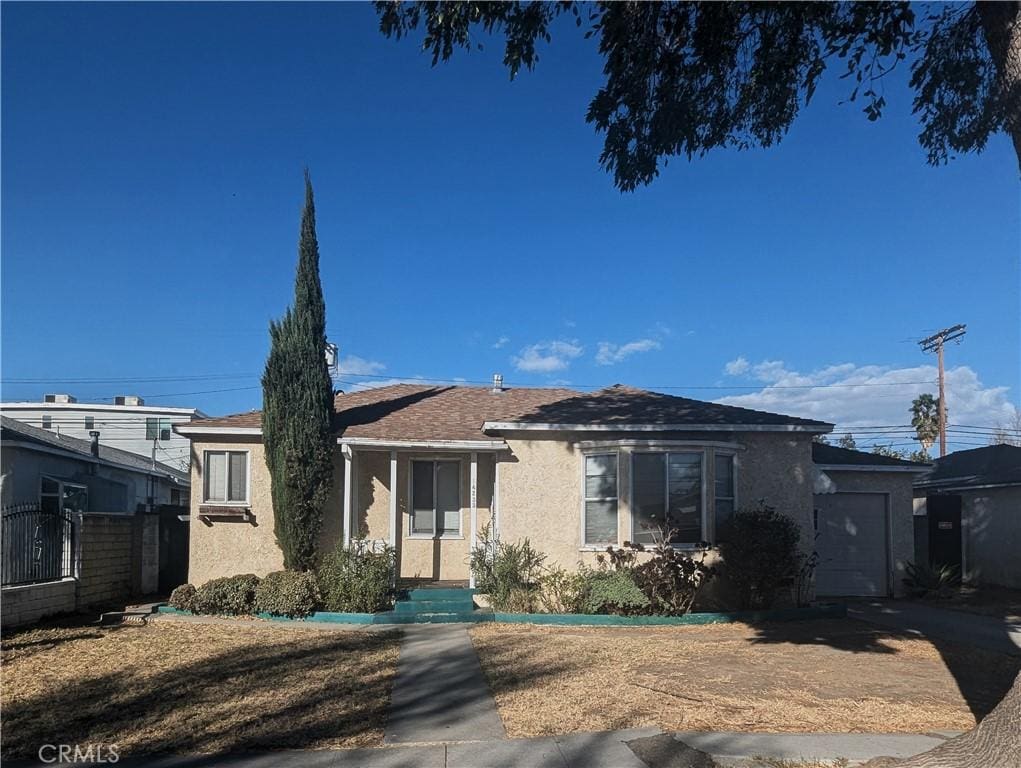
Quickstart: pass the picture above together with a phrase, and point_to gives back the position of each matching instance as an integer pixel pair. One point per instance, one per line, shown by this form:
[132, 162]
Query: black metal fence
[38, 545]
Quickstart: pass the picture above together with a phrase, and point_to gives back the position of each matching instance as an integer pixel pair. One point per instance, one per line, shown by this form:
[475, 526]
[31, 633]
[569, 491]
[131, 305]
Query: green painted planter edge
[824, 611]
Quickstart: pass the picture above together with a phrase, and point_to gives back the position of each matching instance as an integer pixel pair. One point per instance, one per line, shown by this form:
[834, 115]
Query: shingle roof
[832, 454]
[420, 413]
[84, 447]
[991, 465]
[621, 405]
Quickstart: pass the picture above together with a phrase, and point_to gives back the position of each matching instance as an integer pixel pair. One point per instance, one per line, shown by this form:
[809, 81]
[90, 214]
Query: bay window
[600, 523]
[666, 497]
[435, 498]
[724, 493]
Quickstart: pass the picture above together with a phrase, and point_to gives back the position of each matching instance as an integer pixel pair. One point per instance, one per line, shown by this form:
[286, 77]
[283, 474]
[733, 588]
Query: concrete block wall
[27, 603]
[110, 559]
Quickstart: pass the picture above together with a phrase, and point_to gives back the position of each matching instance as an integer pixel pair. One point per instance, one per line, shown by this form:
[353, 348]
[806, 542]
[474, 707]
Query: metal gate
[38, 545]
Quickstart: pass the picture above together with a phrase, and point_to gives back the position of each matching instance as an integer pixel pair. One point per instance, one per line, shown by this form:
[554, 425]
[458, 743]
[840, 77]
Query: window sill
[429, 536]
[595, 547]
[226, 504]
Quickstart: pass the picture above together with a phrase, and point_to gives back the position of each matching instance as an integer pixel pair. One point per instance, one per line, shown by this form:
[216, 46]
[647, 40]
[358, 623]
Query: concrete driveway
[917, 618]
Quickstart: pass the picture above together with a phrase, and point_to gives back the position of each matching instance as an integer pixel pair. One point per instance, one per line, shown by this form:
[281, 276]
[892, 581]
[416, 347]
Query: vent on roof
[128, 400]
[60, 398]
[498, 382]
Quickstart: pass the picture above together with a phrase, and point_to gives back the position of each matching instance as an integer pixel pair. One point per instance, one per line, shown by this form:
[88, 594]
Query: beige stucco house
[425, 468]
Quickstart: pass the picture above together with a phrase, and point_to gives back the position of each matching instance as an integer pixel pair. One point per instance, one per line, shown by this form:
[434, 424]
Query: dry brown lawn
[826, 676]
[194, 688]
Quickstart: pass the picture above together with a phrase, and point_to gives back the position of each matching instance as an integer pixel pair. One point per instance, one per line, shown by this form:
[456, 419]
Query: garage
[852, 545]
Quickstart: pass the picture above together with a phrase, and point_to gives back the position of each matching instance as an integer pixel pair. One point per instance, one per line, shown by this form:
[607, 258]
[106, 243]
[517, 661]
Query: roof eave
[874, 468]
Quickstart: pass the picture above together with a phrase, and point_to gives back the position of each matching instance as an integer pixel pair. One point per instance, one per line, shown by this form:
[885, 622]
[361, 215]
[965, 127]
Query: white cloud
[853, 396]
[352, 365]
[547, 356]
[737, 367]
[500, 342]
[609, 354]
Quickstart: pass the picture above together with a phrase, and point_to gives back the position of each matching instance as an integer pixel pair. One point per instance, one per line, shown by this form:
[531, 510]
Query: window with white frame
[58, 496]
[225, 478]
[435, 498]
[666, 497]
[600, 499]
[723, 493]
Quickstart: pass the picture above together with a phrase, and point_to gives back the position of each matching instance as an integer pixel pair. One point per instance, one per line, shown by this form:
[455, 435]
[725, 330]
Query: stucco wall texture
[540, 498]
[900, 523]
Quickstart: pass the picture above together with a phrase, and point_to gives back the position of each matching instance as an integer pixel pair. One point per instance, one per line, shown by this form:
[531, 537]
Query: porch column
[494, 525]
[393, 499]
[346, 451]
[474, 511]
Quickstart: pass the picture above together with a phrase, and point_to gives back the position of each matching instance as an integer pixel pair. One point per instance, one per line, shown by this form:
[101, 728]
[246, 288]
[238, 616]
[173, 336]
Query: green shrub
[229, 596]
[931, 581]
[562, 591]
[183, 598]
[760, 555]
[287, 593]
[509, 573]
[357, 580]
[613, 592]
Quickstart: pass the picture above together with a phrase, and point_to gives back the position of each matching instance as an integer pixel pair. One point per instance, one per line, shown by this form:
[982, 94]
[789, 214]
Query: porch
[429, 501]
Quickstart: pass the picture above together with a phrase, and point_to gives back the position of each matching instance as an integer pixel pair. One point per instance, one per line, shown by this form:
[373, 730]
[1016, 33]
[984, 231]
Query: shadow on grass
[318, 689]
[983, 677]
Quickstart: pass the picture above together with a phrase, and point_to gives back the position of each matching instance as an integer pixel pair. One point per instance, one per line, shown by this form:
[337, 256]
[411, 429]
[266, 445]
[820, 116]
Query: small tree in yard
[297, 397]
[925, 419]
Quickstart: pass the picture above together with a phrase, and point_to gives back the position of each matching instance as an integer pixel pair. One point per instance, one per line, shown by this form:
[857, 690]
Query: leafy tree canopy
[683, 78]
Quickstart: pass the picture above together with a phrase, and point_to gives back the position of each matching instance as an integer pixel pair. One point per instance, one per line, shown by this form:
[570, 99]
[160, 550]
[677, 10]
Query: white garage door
[851, 544]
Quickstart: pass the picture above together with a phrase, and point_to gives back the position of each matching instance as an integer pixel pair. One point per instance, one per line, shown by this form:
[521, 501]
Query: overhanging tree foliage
[683, 78]
[297, 407]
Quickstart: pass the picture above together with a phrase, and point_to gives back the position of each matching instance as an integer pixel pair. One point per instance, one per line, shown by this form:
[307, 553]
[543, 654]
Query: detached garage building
[968, 514]
[863, 521]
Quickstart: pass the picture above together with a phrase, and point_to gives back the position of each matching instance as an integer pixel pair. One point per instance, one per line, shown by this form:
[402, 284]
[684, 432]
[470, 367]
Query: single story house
[40, 465]
[84, 524]
[968, 514]
[424, 468]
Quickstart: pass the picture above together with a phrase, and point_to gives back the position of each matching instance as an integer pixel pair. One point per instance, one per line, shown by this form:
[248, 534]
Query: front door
[944, 530]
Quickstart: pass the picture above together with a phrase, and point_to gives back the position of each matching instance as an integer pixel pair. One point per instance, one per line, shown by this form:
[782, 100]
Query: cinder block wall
[27, 603]
[111, 548]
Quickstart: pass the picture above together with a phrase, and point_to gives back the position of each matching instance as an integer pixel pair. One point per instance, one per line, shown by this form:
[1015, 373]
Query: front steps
[435, 605]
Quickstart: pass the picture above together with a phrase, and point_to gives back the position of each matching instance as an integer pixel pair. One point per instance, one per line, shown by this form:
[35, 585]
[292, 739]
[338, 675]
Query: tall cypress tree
[297, 407]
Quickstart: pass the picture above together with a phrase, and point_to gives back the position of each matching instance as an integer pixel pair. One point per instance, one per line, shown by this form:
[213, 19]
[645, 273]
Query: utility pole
[935, 344]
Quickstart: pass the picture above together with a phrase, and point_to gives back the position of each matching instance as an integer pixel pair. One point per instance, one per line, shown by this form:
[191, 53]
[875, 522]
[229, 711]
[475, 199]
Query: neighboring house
[424, 468]
[84, 524]
[88, 476]
[863, 520]
[128, 423]
[968, 514]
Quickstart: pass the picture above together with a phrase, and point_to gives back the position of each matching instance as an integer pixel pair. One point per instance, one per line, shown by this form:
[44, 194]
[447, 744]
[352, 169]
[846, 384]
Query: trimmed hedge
[230, 595]
[183, 597]
[287, 593]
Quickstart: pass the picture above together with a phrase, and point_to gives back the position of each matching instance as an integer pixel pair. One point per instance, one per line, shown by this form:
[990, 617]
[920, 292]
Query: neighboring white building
[128, 424]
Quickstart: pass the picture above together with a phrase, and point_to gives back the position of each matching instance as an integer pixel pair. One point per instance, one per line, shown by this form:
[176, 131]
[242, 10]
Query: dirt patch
[194, 688]
[833, 676]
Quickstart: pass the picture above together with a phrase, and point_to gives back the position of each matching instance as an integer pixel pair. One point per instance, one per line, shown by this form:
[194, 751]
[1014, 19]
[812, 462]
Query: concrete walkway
[917, 618]
[440, 694]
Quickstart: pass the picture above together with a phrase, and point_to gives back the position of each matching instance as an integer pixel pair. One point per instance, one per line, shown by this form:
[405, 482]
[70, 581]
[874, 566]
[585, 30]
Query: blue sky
[152, 160]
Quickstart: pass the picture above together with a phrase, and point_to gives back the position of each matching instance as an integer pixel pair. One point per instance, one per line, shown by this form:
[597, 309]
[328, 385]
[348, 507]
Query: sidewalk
[957, 626]
[579, 750]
